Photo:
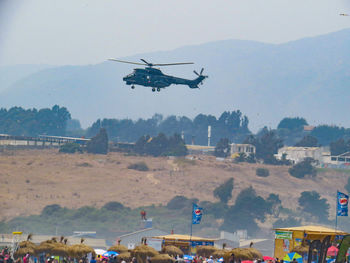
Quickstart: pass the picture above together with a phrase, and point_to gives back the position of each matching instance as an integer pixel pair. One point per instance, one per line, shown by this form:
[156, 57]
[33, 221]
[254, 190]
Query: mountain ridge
[307, 78]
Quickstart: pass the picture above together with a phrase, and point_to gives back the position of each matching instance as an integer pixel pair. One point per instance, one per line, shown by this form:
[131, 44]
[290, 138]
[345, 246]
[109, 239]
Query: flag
[342, 204]
[196, 214]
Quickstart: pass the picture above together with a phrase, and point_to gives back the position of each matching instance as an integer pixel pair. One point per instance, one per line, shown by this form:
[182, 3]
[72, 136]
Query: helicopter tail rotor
[200, 75]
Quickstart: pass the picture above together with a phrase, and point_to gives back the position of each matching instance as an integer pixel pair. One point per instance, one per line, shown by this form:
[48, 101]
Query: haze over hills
[267, 82]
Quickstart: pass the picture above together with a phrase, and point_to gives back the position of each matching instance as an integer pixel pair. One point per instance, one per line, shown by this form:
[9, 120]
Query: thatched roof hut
[219, 253]
[243, 254]
[206, 251]
[45, 246]
[124, 256]
[80, 250]
[162, 258]
[24, 251]
[59, 249]
[27, 243]
[172, 251]
[118, 248]
[142, 252]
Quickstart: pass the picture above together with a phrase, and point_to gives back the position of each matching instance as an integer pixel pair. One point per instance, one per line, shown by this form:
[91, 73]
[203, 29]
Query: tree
[113, 206]
[267, 144]
[292, 123]
[262, 172]
[339, 147]
[161, 145]
[275, 204]
[311, 202]
[99, 143]
[248, 208]
[71, 147]
[347, 186]
[326, 134]
[224, 191]
[222, 148]
[305, 167]
[181, 202]
[307, 141]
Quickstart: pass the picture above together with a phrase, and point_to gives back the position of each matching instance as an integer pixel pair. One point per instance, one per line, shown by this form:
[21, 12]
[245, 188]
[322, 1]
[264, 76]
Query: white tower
[209, 134]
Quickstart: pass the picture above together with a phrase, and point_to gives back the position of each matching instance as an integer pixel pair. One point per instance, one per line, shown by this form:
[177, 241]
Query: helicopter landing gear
[158, 89]
[153, 89]
[132, 87]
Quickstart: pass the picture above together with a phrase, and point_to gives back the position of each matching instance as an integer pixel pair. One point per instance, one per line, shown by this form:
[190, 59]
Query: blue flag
[342, 204]
[196, 214]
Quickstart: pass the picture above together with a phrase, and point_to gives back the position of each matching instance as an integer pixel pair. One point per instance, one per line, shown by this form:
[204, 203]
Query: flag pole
[191, 221]
[336, 213]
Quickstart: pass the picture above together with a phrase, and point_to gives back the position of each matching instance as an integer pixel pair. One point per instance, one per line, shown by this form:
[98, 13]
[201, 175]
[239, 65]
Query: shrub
[140, 166]
[262, 172]
[99, 143]
[181, 202]
[303, 168]
[71, 147]
[113, 206]
[347, 186]
[224, 191]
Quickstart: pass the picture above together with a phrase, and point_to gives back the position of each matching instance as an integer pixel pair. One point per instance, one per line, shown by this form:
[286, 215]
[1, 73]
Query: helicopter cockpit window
[131, 74]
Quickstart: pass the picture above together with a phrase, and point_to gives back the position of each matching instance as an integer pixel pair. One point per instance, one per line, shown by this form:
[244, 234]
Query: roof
[346, 154]
[199, 147]
[139, 231]
[184, 238]
[314, 230]
[300, 148]
[244, 243]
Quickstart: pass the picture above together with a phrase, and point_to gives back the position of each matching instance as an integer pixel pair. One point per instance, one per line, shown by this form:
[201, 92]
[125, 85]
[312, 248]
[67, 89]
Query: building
[298, 154]
[230, 239]
[237, 148]
[133, 239]
[186, 243]
[288, 238]
[265, 246]
[338, 160]
[200, 149]
[14, 141]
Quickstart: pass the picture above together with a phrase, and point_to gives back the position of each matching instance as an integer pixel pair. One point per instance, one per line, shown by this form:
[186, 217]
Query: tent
[291, 256]
[332, 251]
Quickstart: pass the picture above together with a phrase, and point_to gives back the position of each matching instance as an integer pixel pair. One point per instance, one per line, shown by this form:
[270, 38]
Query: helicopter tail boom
[199, 80]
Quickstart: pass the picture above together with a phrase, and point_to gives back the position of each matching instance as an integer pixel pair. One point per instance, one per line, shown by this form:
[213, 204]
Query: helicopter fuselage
[152, 77]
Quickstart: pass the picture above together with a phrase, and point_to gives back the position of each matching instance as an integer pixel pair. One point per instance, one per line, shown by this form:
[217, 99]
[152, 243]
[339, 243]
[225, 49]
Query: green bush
[347, 186]
[224, 191]
[262, 172]
[70, 148]
[99, 143]
[300, 170]
[113, 206]
[140, 166]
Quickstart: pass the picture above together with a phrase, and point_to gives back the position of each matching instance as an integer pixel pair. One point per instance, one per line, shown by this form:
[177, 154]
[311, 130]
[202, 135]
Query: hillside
[309, 77]
[33, 179]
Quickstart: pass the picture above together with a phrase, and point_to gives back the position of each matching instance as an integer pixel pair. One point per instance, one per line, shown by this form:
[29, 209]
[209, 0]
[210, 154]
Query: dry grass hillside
[32, 179]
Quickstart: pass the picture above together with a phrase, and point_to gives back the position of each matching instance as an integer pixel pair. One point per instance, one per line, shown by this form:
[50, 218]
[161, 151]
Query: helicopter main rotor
[150, 64]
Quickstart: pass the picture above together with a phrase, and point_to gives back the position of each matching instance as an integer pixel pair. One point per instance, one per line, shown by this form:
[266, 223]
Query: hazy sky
[89, 31]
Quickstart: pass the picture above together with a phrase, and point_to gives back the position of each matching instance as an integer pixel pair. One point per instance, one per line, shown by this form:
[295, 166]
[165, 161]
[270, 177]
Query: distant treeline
[232, 125]
[33, 122]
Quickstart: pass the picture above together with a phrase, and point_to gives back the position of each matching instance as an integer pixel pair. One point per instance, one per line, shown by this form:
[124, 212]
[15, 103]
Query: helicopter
[155, 78]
